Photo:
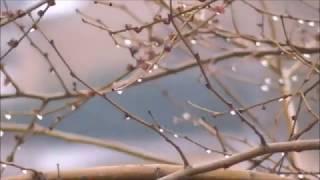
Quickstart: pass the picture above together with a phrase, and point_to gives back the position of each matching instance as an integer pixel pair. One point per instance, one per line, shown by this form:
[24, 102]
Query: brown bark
[146, 172]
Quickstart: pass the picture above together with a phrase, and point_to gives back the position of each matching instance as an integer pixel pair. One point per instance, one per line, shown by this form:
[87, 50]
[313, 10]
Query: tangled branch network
[253, 64]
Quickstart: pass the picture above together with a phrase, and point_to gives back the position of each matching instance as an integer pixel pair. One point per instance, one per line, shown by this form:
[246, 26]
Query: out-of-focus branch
[75, 138]
[263, 11]
[147, 172]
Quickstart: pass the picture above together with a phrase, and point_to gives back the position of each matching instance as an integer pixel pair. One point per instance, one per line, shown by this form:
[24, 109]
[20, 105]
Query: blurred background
[95, 58]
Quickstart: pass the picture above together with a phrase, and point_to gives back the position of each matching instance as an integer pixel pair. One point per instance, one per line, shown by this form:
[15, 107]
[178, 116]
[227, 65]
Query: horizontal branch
[258, 52]
[299, 145]
[146, 172]
[70, 137]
